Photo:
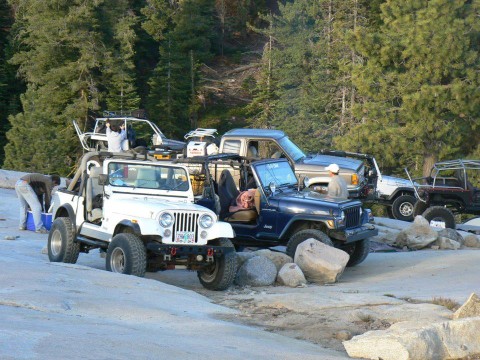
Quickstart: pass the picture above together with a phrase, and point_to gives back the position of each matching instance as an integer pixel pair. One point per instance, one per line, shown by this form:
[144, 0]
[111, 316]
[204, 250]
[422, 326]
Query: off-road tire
[126, 254]
[303, 235]
[358, 251]
[440, 213]
[419, 208]
[61, 245]
[220, 274]
[402, 207]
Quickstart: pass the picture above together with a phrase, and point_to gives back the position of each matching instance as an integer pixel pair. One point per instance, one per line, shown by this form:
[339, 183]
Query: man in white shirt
[115, 138]
[337, 187]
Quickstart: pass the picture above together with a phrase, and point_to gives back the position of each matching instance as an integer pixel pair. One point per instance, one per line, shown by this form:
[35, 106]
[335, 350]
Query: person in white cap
[337, 187]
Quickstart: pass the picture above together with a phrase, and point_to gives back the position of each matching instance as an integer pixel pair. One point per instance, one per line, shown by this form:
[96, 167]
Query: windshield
[280, 173]
[291, 149]
[148, 176]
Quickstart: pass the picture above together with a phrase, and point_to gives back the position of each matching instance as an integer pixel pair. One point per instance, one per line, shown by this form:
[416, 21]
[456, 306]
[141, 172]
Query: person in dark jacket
[30, 189]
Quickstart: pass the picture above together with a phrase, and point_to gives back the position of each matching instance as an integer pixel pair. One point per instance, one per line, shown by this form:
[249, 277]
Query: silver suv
[142, 214]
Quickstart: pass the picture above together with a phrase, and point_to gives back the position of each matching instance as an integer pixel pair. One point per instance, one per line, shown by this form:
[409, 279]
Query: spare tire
[440, 214]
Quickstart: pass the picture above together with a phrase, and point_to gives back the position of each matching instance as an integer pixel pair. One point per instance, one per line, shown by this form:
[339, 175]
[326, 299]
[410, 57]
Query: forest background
[398, 79]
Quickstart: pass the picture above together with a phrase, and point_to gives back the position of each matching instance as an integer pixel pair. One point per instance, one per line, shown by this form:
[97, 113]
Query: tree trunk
[428, 161]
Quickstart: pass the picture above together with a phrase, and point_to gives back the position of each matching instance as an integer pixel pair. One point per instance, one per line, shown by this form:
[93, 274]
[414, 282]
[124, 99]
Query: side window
[231, 146]
[267, 149]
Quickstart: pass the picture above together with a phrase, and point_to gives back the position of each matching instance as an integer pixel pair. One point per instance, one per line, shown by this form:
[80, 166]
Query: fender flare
[402, 191]
[304, 217]
[127, 223]
[71, 213]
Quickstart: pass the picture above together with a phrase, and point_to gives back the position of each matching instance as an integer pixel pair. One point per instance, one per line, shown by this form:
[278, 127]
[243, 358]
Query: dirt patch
[327, 327]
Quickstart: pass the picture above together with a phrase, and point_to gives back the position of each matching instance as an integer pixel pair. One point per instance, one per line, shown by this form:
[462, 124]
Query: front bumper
[352, 235]
[181, 251]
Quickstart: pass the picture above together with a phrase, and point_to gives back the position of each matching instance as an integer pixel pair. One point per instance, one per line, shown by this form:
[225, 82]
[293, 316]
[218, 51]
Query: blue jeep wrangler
[281, 213]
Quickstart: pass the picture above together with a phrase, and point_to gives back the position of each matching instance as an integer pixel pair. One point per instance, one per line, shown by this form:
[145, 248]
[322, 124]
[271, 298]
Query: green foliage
[420, 80]
[172, 101]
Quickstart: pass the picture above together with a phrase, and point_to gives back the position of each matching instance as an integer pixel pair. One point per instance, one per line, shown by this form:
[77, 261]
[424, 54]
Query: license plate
[185, 237]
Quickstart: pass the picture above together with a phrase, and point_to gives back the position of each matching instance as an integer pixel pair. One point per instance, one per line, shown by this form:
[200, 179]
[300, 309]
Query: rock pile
[314, 261]
[455, 339]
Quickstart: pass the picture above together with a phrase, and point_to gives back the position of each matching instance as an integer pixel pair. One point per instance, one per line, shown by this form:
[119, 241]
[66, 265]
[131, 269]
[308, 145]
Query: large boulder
[320, 263]
[472, 241]
[445, 243]
[291, 275]
[451, 234]
[244, 256]
[418, 236]
[455, 339]
[471, 308]
[256, 271]
[278, 258]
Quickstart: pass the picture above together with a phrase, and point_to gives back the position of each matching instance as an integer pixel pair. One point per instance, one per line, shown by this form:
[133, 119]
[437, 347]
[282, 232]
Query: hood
[150, 207]
[325, 160]
[310, 202]
[395, 181]
[173, 144]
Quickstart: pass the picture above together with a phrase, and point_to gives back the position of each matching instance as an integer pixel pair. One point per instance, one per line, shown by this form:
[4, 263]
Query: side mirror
[102, 179]
[306, 182]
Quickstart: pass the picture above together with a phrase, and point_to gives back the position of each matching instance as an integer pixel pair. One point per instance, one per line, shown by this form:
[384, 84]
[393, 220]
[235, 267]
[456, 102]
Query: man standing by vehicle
[115, 137]
[337, 187]
[30, 188]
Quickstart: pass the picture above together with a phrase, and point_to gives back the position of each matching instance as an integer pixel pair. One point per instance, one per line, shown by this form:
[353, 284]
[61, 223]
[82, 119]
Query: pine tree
[421, 81]
[65, 61]
[173, 98]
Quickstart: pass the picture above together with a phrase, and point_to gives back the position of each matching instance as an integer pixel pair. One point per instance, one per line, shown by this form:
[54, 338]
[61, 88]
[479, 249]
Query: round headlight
[342, 216]
[206, 221]
[166, 219]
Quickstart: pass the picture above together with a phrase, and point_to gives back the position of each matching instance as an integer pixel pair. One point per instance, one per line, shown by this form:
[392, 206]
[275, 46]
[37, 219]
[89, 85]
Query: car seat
[146, 178]
[228, 192]
[94, 195]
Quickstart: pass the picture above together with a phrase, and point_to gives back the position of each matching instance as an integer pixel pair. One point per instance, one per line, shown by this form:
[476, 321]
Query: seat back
[146, 178]
[252, 151]
[93, 189]
[227, 192]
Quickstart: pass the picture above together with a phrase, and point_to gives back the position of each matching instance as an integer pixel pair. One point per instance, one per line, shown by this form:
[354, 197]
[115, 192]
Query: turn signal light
[354, 179]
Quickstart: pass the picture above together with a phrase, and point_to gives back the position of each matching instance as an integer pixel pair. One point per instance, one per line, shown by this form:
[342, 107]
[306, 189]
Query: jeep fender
[66, 211]
[286, 233]
[221, 230]
[127, 224]
[401, 191]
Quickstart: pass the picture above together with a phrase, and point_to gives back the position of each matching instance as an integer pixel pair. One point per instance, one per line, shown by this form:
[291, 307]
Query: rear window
[231, 146]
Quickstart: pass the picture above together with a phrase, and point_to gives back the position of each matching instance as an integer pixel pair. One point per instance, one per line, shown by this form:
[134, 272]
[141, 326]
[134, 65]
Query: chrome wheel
[56, 242]
[117, 261]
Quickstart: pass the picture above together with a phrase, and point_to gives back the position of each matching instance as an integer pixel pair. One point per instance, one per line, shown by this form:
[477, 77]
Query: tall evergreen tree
[173, 98]
[421, 80]
[65, 62]
[10, 87]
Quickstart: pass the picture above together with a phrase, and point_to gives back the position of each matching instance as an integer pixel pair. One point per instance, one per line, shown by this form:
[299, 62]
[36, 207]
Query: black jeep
[281, 214]
[448, 190]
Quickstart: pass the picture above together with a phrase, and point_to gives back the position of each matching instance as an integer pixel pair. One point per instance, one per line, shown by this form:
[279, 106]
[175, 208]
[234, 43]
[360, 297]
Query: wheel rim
[56, 242]
[117, 261]
[210, 272]
[406, 209]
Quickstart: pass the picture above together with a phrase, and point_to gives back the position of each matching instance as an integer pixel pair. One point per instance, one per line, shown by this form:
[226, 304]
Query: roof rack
[201, 132]
[139, 113]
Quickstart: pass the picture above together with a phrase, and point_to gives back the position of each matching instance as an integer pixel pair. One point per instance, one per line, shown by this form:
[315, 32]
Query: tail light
[354, 179]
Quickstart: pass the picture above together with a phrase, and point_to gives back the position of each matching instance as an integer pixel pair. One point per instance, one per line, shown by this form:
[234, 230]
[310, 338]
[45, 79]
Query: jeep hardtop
[282, 213]
[142, 214]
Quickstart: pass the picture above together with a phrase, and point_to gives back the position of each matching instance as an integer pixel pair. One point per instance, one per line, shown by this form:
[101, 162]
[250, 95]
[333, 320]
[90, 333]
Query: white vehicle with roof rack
[142, 214]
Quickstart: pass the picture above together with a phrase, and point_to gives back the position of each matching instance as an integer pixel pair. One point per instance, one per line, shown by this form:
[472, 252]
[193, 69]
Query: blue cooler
[46, 219]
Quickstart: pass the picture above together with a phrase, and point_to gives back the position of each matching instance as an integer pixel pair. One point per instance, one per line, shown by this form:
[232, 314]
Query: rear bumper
[352, 235]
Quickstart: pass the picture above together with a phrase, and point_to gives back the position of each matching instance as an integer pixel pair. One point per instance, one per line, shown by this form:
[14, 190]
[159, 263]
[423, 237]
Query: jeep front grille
[186, 221]
[352, 217]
